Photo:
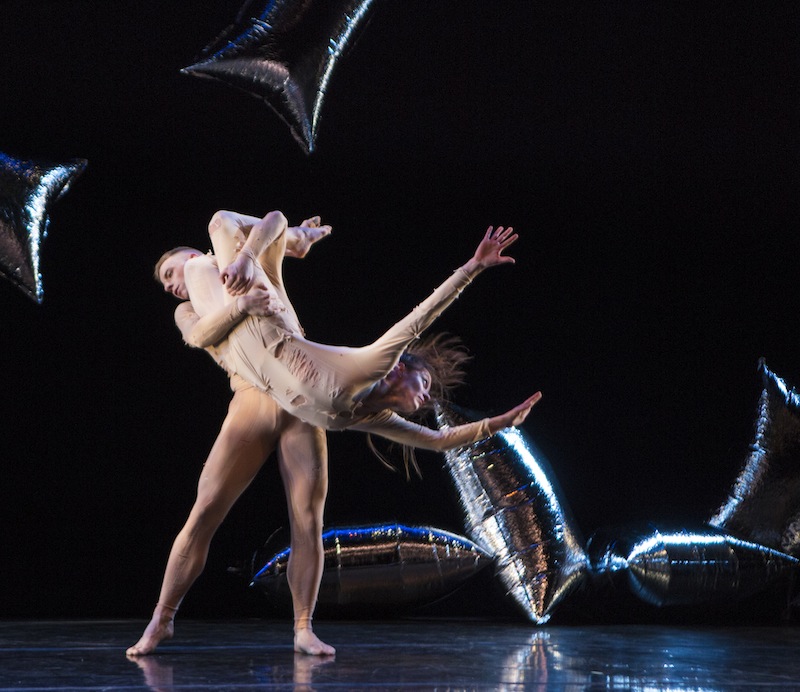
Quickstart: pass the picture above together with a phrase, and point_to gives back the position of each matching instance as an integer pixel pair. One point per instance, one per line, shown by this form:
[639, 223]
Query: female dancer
[254, 427]
[328, 386]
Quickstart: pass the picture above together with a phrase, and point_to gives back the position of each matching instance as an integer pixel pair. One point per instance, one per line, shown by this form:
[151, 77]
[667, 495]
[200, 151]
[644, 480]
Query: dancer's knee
[307, 528]
[277, 220]
[207, 514]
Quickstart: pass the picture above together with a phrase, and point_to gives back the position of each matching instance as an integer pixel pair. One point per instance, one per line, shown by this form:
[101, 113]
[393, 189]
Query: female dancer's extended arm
[397, 429]
[381, 356]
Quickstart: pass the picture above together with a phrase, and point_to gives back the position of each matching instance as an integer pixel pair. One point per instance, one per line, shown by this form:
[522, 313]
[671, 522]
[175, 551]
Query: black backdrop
[646, 152]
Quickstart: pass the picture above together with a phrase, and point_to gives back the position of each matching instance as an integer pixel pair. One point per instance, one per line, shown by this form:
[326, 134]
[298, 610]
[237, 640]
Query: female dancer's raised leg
[302, 455]
[248, 436]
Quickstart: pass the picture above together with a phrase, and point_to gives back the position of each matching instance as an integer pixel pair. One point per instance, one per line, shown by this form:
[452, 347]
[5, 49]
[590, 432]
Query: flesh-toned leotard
[317, 383]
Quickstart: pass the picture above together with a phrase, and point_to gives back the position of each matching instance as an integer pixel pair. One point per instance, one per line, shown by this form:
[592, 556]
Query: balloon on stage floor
[763, 505]
[516, 518]
[284, 52]
[383, 566]
[27, 191]
[514, 508]
[750, 546]
[687, 566]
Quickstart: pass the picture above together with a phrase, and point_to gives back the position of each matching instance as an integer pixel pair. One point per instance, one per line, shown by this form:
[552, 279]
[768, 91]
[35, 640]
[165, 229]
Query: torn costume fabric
[319, 384]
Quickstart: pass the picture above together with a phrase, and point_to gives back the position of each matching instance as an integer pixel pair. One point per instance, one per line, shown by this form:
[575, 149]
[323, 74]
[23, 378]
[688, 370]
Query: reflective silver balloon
[384, 565]
[764, 504]
[688, 566]
[284, 52]
[27, 189]
[513, 508]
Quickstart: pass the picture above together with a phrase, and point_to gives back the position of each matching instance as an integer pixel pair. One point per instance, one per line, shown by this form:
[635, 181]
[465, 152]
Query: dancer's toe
[306, 642]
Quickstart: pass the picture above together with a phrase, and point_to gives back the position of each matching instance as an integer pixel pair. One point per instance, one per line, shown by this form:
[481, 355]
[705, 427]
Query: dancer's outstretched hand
[515, 416]
[490, 250]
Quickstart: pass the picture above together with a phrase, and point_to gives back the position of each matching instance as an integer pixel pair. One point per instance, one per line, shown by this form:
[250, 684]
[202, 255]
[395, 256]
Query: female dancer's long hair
[444, 357]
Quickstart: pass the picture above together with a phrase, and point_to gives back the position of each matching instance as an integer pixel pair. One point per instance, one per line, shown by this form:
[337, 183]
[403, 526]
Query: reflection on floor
[437, 655]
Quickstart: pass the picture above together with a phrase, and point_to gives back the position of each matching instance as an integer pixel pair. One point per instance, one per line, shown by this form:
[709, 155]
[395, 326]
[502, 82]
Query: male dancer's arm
[210, 314]
[211, 329]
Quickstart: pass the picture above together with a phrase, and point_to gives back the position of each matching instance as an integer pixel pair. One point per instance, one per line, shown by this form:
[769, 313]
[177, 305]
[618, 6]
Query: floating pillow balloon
[513, 508]
[687, 566]
[383, 566]
[284, 52]
[763, 505]
[27, 191]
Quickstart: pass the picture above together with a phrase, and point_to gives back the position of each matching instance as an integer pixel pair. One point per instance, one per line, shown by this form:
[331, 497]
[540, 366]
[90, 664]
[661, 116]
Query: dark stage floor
[403, 655]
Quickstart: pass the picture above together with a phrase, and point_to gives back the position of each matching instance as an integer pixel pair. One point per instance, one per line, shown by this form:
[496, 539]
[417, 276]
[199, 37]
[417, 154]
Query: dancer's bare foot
[160, 627]
[306, 642]
[310, 231]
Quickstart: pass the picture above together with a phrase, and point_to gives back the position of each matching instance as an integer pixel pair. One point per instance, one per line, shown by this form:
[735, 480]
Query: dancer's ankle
[302, 623]
[166, 611]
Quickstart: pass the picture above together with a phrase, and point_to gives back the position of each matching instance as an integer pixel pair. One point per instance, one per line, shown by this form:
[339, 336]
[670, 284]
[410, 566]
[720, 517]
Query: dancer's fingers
[505, 242]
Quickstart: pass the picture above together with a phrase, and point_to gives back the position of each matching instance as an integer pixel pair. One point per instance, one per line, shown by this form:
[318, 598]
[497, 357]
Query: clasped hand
[239, 275]
[260, 301]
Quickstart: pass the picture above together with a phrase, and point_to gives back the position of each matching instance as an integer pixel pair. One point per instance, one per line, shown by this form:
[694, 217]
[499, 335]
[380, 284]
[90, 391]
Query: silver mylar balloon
[284, 52]
[513, 508]
[389, 564]
[688, 566]
[764, 504]
[27, 189]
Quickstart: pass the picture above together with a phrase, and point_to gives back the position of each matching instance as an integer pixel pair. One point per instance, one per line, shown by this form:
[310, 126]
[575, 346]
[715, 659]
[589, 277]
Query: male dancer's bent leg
[248, 436]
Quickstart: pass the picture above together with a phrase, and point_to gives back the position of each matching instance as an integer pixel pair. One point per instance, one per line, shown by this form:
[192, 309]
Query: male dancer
[254, 427]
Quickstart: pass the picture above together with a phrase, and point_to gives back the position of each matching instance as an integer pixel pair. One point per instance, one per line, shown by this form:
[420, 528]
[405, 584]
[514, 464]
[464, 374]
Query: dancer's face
[412, 389]
[171, 274]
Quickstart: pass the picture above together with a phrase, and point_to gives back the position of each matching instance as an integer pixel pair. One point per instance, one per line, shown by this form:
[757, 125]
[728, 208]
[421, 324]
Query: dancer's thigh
[247, 437]
[303, 460]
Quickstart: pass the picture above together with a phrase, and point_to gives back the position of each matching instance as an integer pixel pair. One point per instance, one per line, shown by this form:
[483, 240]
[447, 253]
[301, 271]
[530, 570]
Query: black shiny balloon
[284, 52]
[383, 565]
[27, 191]
[763, 505]
[687, 566]
[514, 508]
